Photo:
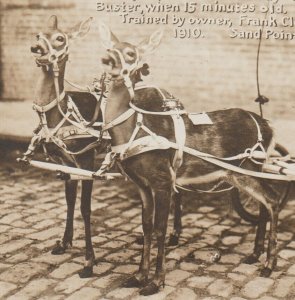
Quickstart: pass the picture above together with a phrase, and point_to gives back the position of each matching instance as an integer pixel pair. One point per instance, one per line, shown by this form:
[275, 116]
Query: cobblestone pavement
[33, 214]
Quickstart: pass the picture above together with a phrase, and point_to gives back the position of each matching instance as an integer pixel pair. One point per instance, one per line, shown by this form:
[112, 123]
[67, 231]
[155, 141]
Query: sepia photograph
[147, 149]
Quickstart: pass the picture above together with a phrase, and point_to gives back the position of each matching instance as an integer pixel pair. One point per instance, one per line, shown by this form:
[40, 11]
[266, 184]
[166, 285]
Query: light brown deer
[233, 131]
[62, 131]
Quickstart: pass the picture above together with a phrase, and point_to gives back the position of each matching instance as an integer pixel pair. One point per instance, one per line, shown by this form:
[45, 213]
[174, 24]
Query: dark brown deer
[72, 145]
[233, 131]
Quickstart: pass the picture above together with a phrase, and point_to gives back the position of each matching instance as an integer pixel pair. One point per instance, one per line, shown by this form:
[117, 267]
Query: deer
[62, 132]
[153, 168]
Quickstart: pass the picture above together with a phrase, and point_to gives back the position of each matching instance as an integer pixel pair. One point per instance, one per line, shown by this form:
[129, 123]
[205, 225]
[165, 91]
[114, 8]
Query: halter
[54, 54]
[127, 69]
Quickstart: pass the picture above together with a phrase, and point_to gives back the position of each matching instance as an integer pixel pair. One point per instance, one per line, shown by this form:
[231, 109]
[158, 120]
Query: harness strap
[160, 113]
[123, 117]
[49, 106]
[180, 137]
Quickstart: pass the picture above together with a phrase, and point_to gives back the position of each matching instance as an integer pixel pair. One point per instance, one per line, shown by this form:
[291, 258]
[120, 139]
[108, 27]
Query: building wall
[206, 74]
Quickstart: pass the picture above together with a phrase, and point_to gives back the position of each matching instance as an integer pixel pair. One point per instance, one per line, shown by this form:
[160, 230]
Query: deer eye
[60, 38]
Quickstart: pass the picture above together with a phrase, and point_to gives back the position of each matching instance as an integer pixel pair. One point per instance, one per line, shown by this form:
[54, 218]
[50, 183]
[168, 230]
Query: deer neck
[46, 92]
[117, 104]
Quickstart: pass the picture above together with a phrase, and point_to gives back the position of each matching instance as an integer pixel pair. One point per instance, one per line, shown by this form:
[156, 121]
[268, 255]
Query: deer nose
[36, 49]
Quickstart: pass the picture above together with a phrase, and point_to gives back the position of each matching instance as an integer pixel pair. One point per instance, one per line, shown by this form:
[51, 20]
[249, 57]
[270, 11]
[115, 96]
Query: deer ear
[80, 29]
[52, 22]
[108, 39]
[149, 44]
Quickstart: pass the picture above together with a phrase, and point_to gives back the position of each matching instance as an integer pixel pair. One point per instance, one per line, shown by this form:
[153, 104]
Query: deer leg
[71, 195]
[177, 226]
[267, 198]
[260, 236]
[141, 278]
[271, 258]
[162, 201]
[86, 213]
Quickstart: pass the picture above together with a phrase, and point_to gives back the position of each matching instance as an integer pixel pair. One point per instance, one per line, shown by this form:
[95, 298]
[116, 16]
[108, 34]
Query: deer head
[52, 45]
[122, 59]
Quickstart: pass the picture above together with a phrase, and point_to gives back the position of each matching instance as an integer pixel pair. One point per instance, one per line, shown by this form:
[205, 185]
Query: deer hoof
[151, 289]
[58, 249]
[265, 272]
[173, 240]
[133, 282]
[250, 260]
[86, 272]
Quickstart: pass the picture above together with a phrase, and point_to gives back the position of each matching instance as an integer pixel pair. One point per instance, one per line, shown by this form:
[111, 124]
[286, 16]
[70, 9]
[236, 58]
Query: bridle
[127, 69]
[54, 55]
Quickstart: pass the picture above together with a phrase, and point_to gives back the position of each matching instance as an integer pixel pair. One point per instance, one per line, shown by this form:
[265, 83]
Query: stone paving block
[244, 248]
[245, 269]
[218, 268]
[4, 228]
[231, 259]
[185, 266]
[106, 281]
[85, 293]
[121, 256]
[287, 254]
[98, 239]
[23, 272]
[52, 297]
[6, 288]
[48, 258]
[180, 253]
[191, 218]
[209, 239]
[17, 258]
[10, 218]
[291, 270]
[22, 231]
[44, 224]
[131, 212]
[102, 267]
[231, 240]
[257, 287]
[126, 269]
[176, 276]
[65, 270]
[236, 277]
[33, 289]
[221, 288]
[71, 284]
[114, 244]
[283, 287]
[46, 234]
[14, 245]
[122, 293]
[182, 293]
[162, 295]
[270, 298]
[98, 205]
[206, 222]
[4, 266]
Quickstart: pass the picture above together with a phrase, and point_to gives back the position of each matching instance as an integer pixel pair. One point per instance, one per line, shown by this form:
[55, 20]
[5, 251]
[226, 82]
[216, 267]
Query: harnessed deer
[64, 130]
[166, 154]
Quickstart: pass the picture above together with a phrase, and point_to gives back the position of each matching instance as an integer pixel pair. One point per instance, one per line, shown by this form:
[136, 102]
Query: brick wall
[207, 74]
